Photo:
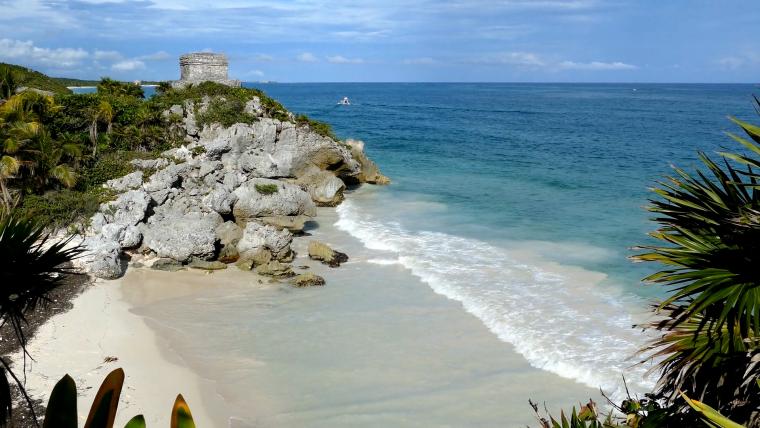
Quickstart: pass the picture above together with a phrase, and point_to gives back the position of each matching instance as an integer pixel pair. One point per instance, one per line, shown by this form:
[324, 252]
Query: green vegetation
[226, 112]
[709, 347]
[33, 79]
[61, 411]
[266, 189]
[68, 82]
[33, 265]
[320, 128]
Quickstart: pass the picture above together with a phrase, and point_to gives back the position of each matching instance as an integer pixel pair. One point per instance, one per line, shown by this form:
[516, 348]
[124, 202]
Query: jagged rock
[253, 106]
[276, 269]
[102, 258]
[308, 280]
[324, 187]
[128, 209]
[293, 223]
[220, 200]
[244, 264]
[369, 172]
[325, 254]
[130, 181]
[207, 265]
[167, 264]
[165, 178]
[298, 149]
[150, 163]
[181, 230]
[228, 234]
[128, 236]
[257, 237]
[289, 199]
[216, 148]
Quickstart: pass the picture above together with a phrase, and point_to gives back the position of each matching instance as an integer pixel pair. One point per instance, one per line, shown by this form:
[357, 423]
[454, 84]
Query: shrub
[320, 128]
[63, 208]
[266, 189]
[109, 166]
[226, 112]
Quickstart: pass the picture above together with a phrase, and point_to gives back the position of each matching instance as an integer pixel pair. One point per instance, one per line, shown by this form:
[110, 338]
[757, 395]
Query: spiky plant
[710, 243]
[31, 265]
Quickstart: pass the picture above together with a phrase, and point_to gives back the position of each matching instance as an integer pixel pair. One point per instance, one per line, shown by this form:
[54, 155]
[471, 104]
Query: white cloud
[596, 66]
[27, 52]
[419, 61]
[155, 56]
[307, 57]
[128, 65]
[264, 58]
[257, 73]
[340, 59]
[525, 59]
[106, 55]
[739, 61]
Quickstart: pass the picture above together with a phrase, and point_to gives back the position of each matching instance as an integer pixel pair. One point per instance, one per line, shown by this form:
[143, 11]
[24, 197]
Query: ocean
[494, 268]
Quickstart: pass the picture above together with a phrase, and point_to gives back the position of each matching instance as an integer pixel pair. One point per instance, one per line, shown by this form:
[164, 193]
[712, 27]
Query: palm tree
[8, 83]
[103, 112]
[710, 234]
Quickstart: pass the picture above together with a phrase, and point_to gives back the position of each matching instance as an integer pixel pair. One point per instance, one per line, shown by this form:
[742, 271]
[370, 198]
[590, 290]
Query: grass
[63, 208]
[266, 189]
[320, 128]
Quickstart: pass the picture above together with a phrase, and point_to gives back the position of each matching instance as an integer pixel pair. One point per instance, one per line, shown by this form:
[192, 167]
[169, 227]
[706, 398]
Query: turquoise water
[568, 165]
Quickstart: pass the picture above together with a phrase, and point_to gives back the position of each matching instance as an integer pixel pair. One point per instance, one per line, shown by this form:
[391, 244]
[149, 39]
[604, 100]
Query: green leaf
[136, 422]
[181, 416]
[61, 411]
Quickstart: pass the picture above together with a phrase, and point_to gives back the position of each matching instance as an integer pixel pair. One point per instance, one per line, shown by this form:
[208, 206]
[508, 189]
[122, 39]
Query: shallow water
[493, 269]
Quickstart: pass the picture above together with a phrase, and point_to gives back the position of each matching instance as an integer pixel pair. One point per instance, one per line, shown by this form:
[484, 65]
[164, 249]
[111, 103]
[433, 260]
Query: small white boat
[345, 101]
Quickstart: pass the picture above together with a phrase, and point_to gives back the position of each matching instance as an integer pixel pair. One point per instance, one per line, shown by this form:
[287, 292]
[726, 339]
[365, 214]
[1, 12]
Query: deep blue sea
[567, 166]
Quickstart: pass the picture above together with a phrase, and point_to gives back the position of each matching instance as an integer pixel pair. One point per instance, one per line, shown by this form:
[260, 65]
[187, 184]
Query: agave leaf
[136, 422]
[711, 414]
[103, 410]
[61, 410]
[181, 416]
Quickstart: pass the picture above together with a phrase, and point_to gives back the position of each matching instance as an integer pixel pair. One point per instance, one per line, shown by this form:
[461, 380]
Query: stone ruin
[203, 66]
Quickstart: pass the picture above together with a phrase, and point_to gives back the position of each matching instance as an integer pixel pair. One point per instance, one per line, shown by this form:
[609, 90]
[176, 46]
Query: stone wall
[203, 66]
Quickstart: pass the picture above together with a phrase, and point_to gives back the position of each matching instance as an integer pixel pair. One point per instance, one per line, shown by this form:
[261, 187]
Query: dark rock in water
[206, 265]
[167, 264]
[325, 254]
[308, 280]
[304, 267]
[275, 269]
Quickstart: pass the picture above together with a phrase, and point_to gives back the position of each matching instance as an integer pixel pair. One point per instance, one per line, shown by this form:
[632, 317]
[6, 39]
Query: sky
[391, 40]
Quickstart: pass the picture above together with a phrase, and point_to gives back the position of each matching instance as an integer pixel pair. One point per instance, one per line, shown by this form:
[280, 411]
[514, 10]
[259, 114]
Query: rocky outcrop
[325, 254]
[264, 243]
[308, 280]
[262, 197]
[229, 195]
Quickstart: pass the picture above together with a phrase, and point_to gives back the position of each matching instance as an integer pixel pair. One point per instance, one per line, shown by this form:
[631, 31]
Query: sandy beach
[372, 348]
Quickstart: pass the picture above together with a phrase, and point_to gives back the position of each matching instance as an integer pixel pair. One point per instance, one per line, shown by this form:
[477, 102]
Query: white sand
[101, 325]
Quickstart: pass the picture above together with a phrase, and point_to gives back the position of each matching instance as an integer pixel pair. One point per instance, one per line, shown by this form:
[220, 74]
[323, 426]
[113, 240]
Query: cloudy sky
[392, 40]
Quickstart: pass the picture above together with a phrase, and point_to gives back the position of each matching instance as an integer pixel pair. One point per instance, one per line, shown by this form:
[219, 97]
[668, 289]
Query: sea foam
[560, 318]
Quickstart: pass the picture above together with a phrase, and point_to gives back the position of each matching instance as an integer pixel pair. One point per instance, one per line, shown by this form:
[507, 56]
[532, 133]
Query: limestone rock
[324, 187]
[325, 254]
[167, 264]
[181, 230]
[308, 280]
[293, 223]
[244, 264]
[128, 236]
[149, 164]
[370, 173]
[289, 199]
[128, 209]
[101, 258]
[276, 269]
[257, 237]
[207, 265]
[130, 181]
[229, 235]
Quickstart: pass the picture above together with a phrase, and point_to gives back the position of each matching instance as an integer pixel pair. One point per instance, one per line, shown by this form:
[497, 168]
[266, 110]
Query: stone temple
[203, 66]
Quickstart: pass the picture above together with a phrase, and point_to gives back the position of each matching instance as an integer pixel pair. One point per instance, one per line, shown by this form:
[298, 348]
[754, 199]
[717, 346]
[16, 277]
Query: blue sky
[392, 40]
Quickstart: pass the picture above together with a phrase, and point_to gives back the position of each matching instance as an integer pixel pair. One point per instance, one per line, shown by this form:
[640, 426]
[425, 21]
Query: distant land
[59, 85]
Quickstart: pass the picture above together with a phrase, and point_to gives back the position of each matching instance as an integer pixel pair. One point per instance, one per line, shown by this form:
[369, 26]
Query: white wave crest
[558, 317]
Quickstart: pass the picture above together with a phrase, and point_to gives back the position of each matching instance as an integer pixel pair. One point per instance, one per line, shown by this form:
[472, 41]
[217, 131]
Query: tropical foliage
[31, 266]
[33, 79]
[61, 410]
